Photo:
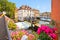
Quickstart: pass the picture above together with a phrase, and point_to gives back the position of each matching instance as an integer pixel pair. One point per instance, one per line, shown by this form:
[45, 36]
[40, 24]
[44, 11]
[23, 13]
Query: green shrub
[11, 25]
[53, 22]
[36, 35]
[44, 36]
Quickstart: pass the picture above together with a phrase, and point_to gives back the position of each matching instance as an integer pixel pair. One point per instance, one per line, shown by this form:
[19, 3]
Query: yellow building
[36, 12]
[16, 15]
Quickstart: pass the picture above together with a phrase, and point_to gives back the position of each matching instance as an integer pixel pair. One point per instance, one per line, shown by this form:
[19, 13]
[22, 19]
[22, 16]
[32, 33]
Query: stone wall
[3, 29]
[55, 15]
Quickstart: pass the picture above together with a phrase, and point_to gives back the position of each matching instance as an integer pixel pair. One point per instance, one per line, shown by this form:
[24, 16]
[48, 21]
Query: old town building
[36, 13]
[45, 15]
[16, 15]
[27, 12]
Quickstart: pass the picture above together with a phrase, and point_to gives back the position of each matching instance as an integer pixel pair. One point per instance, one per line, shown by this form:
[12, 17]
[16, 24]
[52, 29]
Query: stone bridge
[4, 32]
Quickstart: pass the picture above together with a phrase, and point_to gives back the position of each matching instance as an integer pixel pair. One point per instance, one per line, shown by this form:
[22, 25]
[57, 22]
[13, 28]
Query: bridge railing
[4, 31]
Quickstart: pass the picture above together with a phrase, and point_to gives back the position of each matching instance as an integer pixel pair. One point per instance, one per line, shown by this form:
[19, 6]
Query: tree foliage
[7, 6]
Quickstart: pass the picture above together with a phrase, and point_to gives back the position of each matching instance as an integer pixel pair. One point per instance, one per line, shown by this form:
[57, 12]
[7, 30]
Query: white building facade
[26, 12]
[22, 14]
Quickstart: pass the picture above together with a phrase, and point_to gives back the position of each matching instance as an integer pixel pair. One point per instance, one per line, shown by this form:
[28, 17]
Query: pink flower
[53, 35]
[12, 34]
[18, 38]
[55, 29]
[25, 32]
[51, 31]
[48, 31]
[31, 37]
[17, 32]
[39, 30]
[44, 27]
[39, 25]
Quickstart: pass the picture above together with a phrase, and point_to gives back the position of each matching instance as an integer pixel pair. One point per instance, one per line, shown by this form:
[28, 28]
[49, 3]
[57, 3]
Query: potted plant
[46, 33]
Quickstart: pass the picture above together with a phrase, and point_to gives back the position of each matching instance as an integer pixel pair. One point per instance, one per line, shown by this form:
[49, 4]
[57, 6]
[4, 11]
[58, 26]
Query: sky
[41, 5]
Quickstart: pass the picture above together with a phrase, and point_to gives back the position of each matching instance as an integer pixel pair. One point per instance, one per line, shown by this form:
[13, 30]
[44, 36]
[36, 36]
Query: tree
[7, 6]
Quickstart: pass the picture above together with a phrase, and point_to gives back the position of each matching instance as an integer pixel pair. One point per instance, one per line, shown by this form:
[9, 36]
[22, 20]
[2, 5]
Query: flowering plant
[17, 35]
[12, 25]
[46, 33]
